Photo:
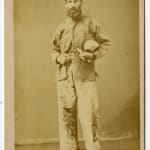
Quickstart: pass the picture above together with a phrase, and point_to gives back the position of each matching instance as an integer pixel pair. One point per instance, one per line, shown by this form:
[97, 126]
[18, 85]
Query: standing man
[77, 44]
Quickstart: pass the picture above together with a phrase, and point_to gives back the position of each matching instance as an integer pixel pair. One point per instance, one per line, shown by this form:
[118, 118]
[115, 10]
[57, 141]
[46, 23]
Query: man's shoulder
[90, 20]
[60, 26]
[86, 18]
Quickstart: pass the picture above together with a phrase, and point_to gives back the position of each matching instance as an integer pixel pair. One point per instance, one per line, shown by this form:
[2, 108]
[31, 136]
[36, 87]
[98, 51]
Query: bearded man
[76, 76]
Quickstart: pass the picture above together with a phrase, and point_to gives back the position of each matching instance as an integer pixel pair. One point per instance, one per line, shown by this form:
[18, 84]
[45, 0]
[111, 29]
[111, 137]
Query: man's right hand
[64, 59]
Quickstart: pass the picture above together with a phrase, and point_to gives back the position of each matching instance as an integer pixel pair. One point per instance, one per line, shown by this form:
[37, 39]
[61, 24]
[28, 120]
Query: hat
[90, 46]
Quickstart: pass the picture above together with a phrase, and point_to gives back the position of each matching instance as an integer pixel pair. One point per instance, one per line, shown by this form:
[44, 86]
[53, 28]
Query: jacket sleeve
[55, 47]
[101, 38]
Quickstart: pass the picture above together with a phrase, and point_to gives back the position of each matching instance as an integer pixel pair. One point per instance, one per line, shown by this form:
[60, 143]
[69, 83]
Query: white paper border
[1, 74]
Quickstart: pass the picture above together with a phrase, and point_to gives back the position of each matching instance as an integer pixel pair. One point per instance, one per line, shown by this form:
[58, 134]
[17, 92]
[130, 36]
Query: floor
[129, 144]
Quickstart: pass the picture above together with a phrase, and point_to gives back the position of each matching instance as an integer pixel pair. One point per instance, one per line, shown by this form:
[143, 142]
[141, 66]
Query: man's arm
[101, 38]
[57, 56]
[55, 49]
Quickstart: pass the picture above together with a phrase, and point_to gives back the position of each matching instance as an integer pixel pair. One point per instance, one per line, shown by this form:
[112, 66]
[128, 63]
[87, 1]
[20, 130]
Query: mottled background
[35, 90]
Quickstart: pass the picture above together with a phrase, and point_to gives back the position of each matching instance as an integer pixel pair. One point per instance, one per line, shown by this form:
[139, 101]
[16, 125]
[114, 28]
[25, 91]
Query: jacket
[68, 37]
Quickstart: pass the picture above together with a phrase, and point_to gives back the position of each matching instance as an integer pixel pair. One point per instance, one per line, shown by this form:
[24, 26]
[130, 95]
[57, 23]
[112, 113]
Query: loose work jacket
[69, 36]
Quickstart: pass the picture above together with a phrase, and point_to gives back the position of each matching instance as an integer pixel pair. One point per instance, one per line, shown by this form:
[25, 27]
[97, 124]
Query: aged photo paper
[74, 75]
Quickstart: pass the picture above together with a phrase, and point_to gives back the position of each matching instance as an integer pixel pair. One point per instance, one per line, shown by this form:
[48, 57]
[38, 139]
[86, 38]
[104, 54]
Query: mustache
[74, 9]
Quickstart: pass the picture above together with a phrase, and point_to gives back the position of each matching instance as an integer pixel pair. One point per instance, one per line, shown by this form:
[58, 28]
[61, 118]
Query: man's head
[73, 8]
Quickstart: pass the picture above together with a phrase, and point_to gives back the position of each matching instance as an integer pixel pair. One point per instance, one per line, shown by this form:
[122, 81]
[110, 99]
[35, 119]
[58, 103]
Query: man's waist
[76, 72]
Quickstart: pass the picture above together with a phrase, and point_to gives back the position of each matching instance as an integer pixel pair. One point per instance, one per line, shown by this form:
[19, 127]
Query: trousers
[78, 98]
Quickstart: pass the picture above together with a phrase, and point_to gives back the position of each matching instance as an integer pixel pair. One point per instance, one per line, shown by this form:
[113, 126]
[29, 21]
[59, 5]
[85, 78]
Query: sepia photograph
[74, 75]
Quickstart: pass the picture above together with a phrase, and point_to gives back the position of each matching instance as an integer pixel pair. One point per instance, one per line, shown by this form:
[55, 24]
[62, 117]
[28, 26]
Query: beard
[74, 13]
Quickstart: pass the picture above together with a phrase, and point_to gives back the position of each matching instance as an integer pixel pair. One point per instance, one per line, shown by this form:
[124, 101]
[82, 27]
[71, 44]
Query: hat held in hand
[90, 46]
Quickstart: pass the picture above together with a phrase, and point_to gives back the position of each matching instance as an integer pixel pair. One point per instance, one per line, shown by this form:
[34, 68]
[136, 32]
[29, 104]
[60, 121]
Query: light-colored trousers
[82, 98]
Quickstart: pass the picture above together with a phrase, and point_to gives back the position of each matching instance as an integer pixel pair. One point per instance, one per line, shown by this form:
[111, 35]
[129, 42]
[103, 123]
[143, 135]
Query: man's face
[73, 8]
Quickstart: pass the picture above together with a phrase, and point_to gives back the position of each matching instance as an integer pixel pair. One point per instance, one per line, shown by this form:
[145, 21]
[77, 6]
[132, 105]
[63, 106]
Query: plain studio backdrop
[35, 87]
